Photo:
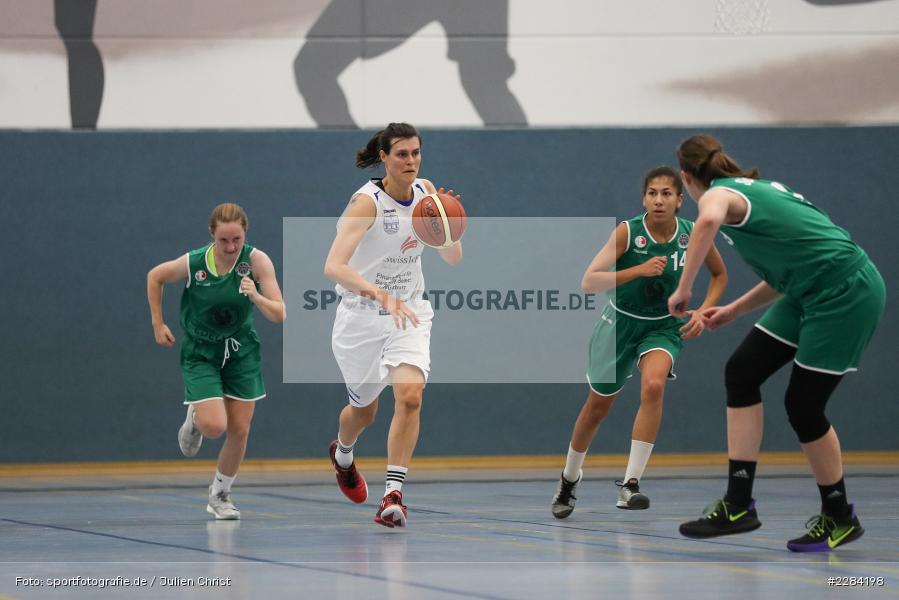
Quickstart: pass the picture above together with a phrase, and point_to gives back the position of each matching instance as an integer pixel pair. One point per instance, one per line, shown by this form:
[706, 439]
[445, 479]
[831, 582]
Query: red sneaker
[392, 512]
[349, 479]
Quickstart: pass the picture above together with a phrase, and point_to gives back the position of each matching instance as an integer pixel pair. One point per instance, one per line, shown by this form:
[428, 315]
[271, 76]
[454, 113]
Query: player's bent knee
[212, 429]
[743, 384]
[653, 390]
[408, 397]
[807, 420]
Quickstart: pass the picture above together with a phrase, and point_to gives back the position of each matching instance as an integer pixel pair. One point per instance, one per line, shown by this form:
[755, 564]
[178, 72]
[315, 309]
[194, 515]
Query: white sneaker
[189, 436]
[630, 497]
[221, 506]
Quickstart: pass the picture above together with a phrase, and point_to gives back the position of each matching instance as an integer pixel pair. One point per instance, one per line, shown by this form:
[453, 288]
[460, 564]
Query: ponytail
[703, 157]
[370, 155]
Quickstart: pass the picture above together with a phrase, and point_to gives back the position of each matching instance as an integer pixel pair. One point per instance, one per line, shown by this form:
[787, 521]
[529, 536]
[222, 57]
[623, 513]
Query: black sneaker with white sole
[564, 500]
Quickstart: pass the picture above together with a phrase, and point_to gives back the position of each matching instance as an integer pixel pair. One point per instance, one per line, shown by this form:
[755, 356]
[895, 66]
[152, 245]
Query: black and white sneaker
[630, 497]
[564, 500]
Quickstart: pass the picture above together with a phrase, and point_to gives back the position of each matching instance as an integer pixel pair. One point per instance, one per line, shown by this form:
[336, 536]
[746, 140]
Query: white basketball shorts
[367, 342]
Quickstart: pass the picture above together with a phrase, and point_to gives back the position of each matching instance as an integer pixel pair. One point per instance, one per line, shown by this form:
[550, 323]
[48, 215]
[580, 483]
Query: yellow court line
[439, 463]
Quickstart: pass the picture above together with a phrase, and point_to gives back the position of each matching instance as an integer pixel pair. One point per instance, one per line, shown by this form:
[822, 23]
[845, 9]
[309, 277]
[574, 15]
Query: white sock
[221, 483]
[573, 464]
[395, 478]
[636, 463]
[344, 454]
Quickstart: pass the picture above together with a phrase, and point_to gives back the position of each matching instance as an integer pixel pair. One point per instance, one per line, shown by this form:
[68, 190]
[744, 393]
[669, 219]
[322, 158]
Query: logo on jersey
[640, 241]
[409, 243]
[243, 269]
[391, 221]
[200, 275]
[225, 315]
[654, 291]
[683, 240]
[726, 238]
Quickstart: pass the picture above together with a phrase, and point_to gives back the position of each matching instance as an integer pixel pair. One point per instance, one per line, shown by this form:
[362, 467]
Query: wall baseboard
[436, 463]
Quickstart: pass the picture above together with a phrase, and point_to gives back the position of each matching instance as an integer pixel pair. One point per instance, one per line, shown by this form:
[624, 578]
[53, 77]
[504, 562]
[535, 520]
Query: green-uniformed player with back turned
[642, 261]
[826, 299]
[221, 363]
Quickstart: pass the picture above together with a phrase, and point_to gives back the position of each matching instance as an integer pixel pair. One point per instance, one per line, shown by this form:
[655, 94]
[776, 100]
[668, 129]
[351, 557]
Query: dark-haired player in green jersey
[642, 262]
[820, 282]
[220, 357]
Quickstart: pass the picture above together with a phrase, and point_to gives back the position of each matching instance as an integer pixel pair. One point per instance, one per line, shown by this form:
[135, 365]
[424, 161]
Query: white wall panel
[230, 63]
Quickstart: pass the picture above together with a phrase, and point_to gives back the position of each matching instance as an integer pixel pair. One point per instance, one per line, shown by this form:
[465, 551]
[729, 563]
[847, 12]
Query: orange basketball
[438, 220]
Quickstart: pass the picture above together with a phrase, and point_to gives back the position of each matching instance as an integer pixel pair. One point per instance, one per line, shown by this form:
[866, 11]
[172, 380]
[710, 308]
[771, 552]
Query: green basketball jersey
[212, 307]
[647, 297]
[791, 244]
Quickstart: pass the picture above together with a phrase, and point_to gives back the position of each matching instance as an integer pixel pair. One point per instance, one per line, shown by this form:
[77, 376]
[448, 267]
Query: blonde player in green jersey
[817, 281]
[642, 262]
[220, 357]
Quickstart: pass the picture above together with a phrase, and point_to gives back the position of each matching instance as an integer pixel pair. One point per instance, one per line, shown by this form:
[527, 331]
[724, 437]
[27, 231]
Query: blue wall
[89, 213]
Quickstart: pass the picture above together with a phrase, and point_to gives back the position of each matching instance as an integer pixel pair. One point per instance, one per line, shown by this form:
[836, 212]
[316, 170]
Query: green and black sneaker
[826, 533]
[722, 518]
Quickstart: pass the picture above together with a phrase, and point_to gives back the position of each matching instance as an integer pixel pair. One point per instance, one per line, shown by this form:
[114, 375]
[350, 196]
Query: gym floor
[476, 533]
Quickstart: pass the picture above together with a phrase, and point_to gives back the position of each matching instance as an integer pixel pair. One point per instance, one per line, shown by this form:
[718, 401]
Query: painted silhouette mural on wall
[179, 63]
[75, 24]
[349, 30]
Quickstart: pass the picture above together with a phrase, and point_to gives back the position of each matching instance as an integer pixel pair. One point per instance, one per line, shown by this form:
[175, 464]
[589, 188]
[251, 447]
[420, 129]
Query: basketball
[438, 220]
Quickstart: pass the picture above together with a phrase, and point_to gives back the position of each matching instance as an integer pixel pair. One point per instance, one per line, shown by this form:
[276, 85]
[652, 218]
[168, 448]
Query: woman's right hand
[718, 316]
[653, 267]
[163, 335]
[398, 310]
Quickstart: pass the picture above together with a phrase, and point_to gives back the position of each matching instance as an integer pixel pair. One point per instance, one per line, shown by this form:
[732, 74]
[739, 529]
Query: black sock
[833, 500]
[741, 474]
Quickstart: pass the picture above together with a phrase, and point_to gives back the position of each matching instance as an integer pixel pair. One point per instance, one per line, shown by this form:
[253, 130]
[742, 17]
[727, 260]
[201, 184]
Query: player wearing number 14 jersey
[642, 262]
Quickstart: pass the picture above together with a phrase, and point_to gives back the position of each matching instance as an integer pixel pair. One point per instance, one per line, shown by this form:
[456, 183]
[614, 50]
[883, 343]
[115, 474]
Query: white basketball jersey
[389, 255]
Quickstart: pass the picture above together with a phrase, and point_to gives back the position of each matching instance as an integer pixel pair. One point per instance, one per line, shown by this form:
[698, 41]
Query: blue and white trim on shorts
[353, 397]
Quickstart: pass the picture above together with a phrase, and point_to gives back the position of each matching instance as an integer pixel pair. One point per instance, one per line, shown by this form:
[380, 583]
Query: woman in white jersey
[382, 329]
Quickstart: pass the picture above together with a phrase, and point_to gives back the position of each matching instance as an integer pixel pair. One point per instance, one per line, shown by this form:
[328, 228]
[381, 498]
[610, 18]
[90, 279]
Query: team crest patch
[683, 240]
[243, 269]
[391, 222]
[200, 275]
[640, 241]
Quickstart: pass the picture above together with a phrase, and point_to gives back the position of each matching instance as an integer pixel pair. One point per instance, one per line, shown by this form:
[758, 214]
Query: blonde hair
[228, 213]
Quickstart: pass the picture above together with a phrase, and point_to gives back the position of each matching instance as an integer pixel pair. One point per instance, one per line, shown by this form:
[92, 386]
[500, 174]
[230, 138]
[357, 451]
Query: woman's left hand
[450, 192]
